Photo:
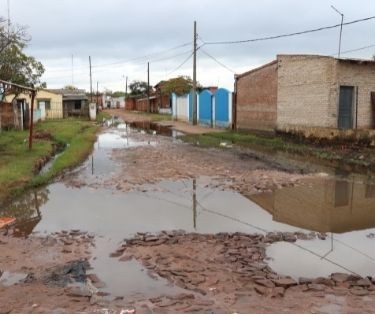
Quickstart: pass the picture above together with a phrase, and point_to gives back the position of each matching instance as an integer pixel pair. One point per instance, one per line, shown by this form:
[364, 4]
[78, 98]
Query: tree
[70, 87]
[138, 88]
[11, 33]
[179, 85]
[118, 94]
[15, 65]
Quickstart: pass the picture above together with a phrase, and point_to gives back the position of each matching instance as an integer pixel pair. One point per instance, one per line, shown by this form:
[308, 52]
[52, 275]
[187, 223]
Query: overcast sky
[116, 32]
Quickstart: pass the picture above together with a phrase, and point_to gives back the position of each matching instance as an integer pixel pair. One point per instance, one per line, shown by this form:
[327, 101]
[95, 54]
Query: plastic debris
[6, 221]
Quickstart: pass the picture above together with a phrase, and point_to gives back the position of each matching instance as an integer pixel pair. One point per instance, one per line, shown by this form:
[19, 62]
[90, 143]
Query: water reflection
[324, 205]
[26, 210]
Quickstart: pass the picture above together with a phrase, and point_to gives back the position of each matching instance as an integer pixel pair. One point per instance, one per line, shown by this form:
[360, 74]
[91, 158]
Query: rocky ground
[230, 273]
[221, 273]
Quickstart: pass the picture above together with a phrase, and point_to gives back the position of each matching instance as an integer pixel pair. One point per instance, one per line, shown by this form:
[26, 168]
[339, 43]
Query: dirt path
[184, 127]
[218, 273]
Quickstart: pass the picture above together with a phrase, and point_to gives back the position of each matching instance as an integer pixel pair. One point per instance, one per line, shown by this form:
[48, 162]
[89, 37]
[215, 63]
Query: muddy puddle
[342, 209]
[9, 279]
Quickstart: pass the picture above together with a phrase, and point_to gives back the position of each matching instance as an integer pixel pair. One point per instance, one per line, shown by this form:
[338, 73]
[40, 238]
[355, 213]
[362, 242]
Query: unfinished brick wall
[257, 98]
[361, 75]
[6, 115]
[307, 92]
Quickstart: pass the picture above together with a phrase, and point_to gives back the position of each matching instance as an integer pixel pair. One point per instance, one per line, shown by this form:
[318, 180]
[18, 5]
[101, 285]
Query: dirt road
[89, 246]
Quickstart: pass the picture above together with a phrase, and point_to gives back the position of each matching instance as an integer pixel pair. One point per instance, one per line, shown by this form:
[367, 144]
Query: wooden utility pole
[97, 93]
[194, 93]
[72, 70]
[126, 86]
[148, 88]
[31, 120]
[90, 79]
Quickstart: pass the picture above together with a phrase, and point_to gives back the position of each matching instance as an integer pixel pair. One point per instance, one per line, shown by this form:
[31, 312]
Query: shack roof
[70, 94]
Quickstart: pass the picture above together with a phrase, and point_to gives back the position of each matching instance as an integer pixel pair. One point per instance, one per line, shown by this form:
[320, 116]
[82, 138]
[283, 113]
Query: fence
[213, 109]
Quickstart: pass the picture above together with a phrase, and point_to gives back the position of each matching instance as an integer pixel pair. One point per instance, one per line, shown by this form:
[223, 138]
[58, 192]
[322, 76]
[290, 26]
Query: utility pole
[8, 19]
[72, 70]
[342, 22]
[90, 79]
[194, 94]
[97, 93]
[148, 88]
[126, 86]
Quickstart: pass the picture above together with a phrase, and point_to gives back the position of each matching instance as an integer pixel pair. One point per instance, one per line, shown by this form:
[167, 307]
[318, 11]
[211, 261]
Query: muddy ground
[221, 273]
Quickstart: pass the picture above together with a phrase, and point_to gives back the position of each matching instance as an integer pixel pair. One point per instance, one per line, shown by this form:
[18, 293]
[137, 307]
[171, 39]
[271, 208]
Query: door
[346, 107]
[42, 108]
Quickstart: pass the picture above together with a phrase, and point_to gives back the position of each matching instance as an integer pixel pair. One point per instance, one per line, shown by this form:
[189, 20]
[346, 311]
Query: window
[77, 105]
[46, 103]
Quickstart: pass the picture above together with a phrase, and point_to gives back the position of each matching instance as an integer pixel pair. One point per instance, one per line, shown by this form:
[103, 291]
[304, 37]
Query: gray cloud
[114, 31]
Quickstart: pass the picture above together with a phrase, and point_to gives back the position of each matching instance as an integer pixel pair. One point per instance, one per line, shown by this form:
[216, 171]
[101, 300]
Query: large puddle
[343, 209]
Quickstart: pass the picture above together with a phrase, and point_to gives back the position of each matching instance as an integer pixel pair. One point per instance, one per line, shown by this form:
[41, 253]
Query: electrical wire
[287, 35]
[83, 73]
[217, 61]
[181, 65]
[131, 59]
[355, 49]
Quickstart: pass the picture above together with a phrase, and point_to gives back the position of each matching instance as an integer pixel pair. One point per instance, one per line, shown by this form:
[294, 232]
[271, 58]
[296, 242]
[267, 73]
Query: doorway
[345, 120]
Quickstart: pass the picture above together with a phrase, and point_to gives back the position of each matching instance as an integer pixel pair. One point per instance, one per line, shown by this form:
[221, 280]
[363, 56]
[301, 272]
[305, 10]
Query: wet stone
[278, 292]
[324, 281]
[339, 277]
[78, 291]
[359, 291]
[365, 282]
[316, 287]
[265, 283]
[285, 282]
[260, 289]
[304, 280]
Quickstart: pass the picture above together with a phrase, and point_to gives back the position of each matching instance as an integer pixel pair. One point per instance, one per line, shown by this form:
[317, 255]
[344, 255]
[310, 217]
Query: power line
[288, 35]
[180, 66]
[217, 61]
[132, 59]
[357, 49]
[82, 73]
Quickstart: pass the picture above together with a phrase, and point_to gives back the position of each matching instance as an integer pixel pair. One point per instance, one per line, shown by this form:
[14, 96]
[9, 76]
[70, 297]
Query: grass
[18, 164]
[364, 157]
[102, 115]
[156, 116]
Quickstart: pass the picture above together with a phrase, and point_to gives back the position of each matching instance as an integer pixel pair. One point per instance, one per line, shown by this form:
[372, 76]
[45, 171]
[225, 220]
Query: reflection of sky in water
[8, 279]
[345, 207]
[192, 206]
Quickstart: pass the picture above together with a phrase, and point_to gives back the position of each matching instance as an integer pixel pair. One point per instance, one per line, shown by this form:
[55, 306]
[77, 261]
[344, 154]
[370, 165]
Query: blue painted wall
[191, 107]
[222, 108]
[205, 107]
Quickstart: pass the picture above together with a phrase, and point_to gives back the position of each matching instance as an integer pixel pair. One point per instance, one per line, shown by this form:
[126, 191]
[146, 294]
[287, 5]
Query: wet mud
[103, 238]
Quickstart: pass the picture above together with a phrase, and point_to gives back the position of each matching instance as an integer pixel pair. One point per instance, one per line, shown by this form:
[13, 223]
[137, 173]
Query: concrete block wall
[257, 98]
[306, 90]
[362, 76]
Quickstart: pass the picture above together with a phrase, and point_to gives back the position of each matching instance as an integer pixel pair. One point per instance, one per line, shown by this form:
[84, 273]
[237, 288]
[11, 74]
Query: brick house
[301, 92]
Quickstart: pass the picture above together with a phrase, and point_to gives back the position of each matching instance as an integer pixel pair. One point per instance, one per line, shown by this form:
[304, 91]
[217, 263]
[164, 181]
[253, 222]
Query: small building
[50, 104]
[307, 92]
[75, 101]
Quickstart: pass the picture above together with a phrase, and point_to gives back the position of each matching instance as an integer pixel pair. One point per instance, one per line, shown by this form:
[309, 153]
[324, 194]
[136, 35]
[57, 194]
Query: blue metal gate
[205, 107]
[222, 108]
